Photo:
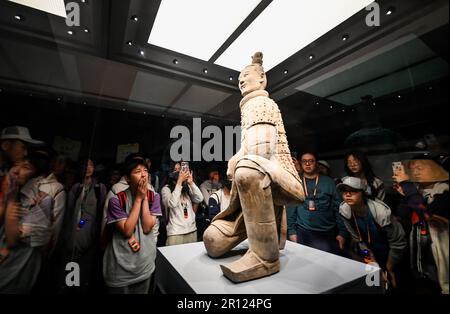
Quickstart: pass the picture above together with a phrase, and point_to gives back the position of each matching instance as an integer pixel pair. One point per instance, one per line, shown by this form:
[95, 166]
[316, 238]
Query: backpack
[107, 234]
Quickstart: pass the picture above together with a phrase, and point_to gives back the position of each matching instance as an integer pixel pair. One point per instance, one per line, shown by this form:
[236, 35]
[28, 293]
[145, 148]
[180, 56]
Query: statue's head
[253, 77]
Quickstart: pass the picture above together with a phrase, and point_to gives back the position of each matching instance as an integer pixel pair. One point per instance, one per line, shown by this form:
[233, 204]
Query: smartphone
[184, 166]
[397, 166]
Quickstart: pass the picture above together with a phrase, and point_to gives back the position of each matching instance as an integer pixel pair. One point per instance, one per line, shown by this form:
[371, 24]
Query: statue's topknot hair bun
[257, 58]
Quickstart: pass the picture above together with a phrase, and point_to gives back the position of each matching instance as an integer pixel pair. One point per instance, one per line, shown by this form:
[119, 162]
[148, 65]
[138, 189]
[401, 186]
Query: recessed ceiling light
[285, 72]
[230, 78]
[134, 18]
[390, 11]
[175, 61]
[86, 30]
[18, 17]
[141, 52]
[311, 56]
[345, 37]
[129, 43]
[205, 70]
[206, 25]
[70, 32]
[264, 33]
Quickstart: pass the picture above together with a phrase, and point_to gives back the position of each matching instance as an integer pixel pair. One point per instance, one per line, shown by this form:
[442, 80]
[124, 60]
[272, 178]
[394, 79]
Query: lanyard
[85, 193]
[315, 187]
[359, 233]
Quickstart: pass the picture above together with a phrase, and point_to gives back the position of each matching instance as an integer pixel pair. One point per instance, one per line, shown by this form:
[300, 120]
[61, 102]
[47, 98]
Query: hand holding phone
[399, 172]
[184, 166]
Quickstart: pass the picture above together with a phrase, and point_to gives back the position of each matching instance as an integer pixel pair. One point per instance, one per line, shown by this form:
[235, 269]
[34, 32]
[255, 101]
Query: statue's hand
[231, 167]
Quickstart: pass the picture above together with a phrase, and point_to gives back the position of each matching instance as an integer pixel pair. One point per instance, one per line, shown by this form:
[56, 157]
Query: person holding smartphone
[179, 196]
[424, 189]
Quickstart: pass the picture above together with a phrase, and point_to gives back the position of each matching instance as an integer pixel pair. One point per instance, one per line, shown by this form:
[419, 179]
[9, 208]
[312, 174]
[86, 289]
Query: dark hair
[134, 156]
[172, 179]
[366, 167]
[131, 164]
[41, 161]
[310, 152]
[82, 169]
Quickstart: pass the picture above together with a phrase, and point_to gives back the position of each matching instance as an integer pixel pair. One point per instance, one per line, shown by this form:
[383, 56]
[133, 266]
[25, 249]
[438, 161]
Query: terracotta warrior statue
[264, 181]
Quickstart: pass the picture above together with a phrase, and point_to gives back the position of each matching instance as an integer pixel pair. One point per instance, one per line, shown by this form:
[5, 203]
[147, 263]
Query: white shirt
[179, 209]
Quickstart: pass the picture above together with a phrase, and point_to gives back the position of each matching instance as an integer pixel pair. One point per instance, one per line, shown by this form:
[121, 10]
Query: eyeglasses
[308, 162]
[351, 192]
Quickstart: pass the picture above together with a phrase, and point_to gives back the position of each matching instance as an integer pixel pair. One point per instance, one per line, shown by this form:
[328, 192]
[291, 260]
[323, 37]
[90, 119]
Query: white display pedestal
[188, 269]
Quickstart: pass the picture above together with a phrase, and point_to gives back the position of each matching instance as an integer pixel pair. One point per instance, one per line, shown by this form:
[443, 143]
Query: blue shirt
[378, 244]
[326, 216]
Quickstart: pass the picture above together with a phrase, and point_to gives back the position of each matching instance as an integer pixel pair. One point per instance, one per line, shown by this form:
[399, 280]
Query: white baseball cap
[18, 133]
[324, 163]
[354, 183]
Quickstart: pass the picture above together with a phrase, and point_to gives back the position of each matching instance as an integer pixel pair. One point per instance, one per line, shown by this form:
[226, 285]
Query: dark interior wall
[99, 130]
[421, 111]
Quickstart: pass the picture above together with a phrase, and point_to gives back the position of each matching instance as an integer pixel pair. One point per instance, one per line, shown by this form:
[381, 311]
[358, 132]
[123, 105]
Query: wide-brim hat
[19, 133]
[426, 170]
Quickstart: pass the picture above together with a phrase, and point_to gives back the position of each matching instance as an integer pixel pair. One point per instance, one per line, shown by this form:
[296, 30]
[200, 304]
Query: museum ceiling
[170, 58]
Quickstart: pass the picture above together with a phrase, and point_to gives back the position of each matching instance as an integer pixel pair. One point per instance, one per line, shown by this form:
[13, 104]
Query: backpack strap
[77, 193]
[150, 197]
[218, 197]
[122, 196]
[98, 195]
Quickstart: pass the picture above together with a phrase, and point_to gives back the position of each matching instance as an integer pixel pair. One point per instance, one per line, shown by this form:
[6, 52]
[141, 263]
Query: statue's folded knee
[214, 239]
